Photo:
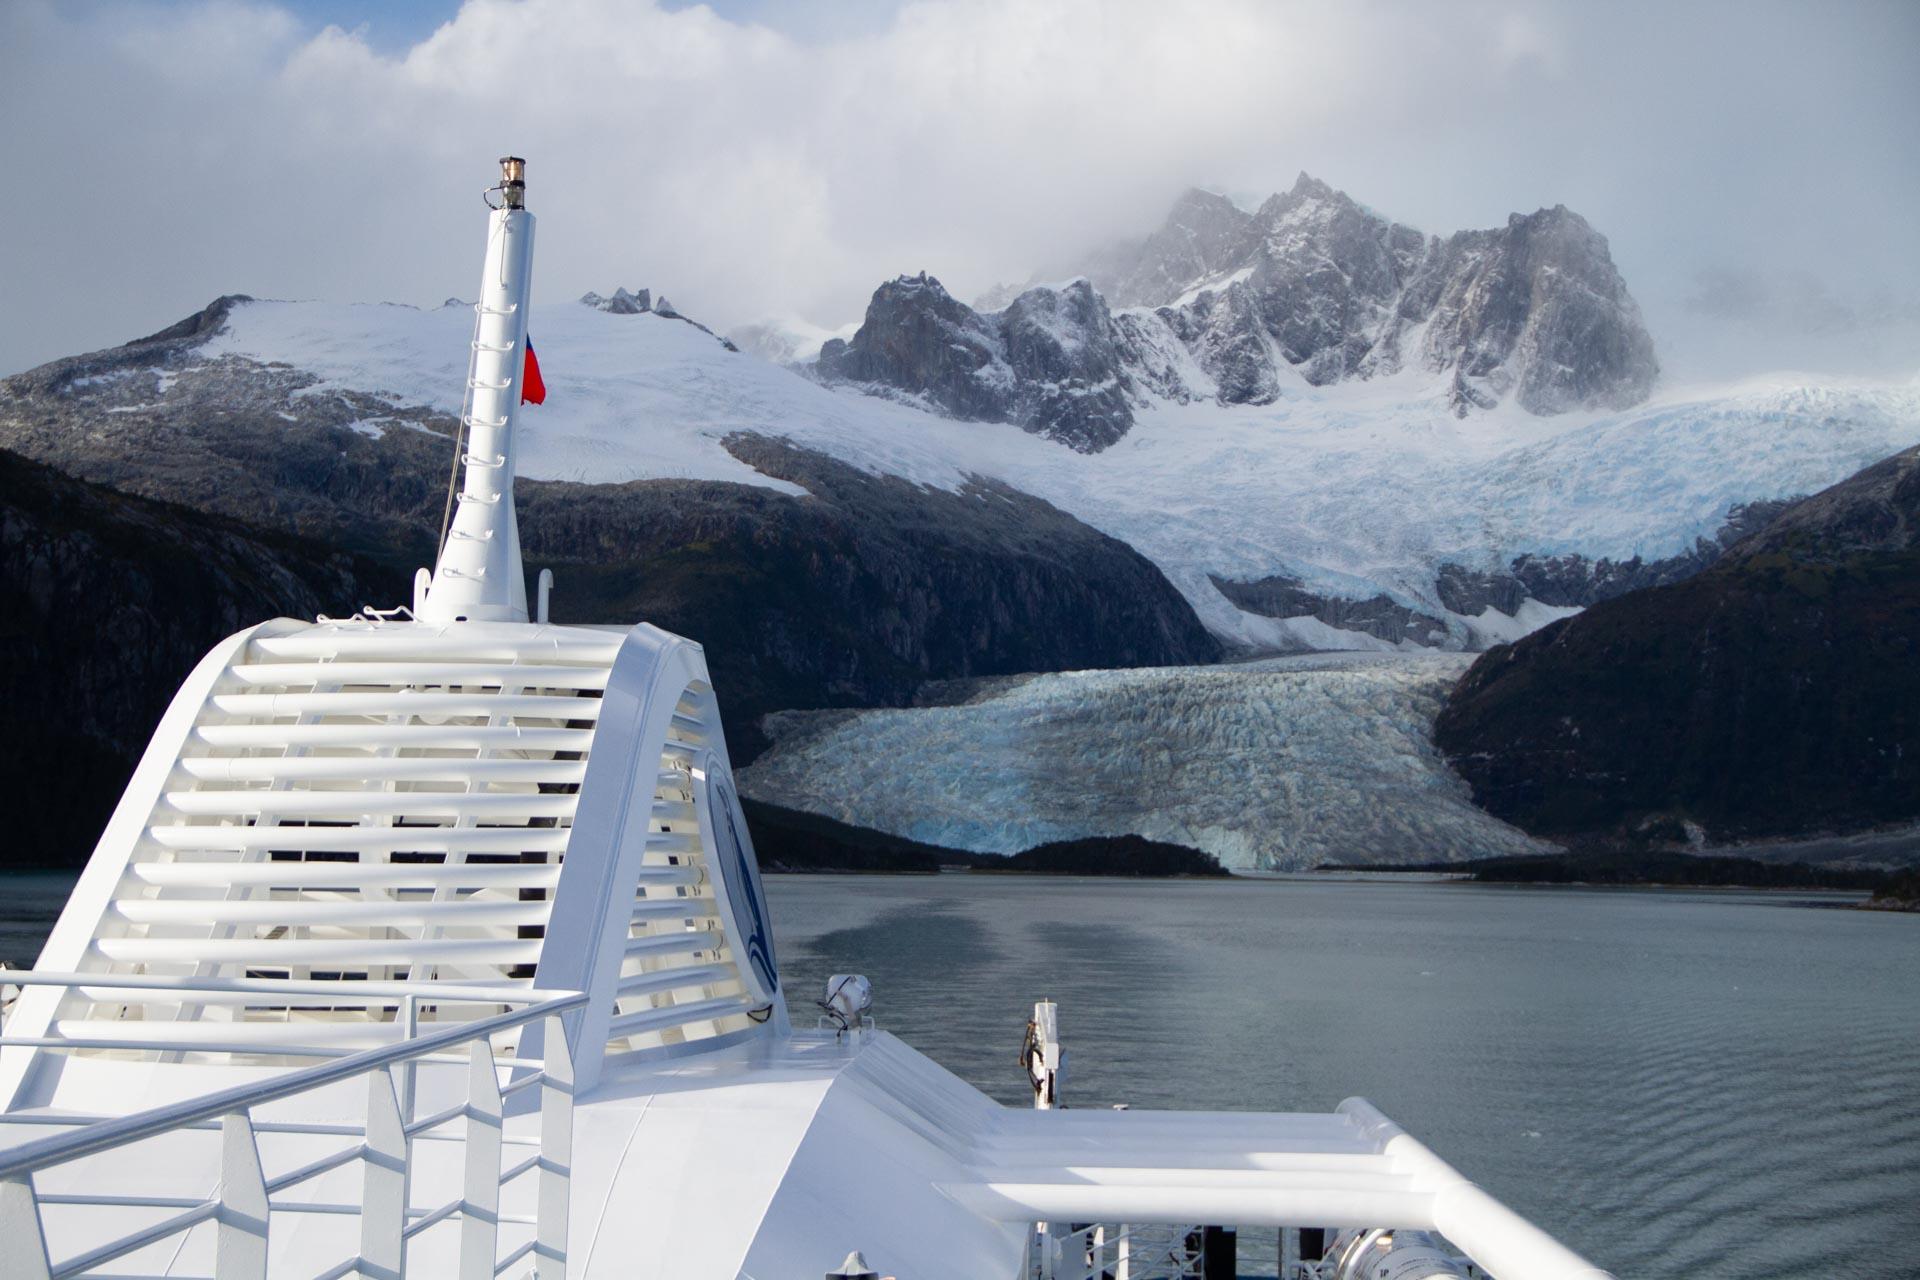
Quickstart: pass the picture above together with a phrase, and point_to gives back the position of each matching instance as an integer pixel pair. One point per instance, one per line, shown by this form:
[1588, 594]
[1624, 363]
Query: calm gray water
[1679, 1084]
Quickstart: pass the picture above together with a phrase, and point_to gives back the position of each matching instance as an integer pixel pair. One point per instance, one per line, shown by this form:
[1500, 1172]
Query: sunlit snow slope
[1357, 489]
[1284, 763]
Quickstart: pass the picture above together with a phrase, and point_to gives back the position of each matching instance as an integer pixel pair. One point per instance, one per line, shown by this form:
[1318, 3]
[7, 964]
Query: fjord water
[1679, 1084]
[1707, 1084]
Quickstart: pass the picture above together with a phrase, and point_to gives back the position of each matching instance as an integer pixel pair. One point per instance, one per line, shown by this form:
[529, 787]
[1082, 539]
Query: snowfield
[1356, 489]
[1284, 763]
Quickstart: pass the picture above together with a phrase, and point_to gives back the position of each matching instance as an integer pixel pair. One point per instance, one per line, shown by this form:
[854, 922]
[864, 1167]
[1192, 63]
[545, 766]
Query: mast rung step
[645, 1020]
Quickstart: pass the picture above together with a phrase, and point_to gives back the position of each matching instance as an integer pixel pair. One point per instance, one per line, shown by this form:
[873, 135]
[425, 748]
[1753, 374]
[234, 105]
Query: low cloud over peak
[169, 153]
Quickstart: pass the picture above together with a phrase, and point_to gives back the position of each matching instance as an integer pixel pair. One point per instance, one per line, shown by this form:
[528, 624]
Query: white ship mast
[479, 576]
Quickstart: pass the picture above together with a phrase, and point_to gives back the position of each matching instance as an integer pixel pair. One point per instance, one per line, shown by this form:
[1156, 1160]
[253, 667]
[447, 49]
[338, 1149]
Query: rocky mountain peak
[1203, 235]
[1316, 284]
[1047, 362]
[1535, 309]
[1224, 304]
[623, 302]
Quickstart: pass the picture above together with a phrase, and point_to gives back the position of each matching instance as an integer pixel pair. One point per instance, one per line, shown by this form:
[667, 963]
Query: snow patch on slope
[1285, 763]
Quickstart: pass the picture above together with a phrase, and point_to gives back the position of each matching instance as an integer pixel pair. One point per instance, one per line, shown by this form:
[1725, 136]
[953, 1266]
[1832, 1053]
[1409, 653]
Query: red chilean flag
[533, 388]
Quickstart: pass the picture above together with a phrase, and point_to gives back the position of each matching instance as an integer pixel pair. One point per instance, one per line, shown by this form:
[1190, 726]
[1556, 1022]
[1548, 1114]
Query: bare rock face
[1048, 363]
[1205, 235]
[1281, 596]
[1317, 282]
[1225, 335]
[1535, 309]
[1312, 285]
[623, 303]
[1327, 276]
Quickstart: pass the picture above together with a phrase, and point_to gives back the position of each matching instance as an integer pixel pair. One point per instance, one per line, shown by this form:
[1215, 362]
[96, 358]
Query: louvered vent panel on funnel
[679, 979]
[356, 801]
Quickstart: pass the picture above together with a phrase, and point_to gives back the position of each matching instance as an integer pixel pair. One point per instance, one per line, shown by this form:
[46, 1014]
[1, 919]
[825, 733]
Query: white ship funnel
[479, 576]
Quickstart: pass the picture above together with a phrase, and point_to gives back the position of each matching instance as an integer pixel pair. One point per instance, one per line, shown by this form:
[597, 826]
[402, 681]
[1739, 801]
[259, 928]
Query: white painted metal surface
[479, 577]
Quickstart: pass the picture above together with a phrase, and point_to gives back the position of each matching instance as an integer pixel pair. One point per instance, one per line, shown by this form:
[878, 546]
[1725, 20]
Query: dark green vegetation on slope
[1111, 856]
[790, 840]
[1776, 694]
[111, 600]
[1614, 866]
[1900, 893]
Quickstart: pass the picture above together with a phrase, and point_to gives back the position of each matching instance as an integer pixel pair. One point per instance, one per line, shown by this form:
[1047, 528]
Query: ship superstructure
[430, 942]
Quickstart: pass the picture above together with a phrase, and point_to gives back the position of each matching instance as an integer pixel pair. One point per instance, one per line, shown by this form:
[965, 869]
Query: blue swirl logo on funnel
[746, 902]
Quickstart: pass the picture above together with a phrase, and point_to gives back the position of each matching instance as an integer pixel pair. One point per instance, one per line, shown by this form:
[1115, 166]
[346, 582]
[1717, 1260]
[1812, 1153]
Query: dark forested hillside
[1777, 693]
[111, 600]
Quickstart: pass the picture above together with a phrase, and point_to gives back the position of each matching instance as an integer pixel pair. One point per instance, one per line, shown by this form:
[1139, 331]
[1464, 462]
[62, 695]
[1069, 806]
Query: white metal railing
[246, 1201]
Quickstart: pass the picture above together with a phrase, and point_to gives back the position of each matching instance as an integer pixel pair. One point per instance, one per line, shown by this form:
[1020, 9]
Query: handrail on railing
[145, 1124]
[242, 1205]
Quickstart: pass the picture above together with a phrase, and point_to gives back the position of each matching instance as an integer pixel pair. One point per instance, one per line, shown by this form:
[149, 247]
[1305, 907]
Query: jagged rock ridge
[1230, 305]
[1047, 363]
[1535, 309]
[641, 302]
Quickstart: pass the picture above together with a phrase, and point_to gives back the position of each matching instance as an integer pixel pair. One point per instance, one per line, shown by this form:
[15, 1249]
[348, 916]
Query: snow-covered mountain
[1312, 287]
[1362, 514]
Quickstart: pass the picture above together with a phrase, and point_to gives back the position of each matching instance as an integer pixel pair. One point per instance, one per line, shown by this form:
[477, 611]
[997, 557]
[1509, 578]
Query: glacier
[1275, 764]
[1356, 489]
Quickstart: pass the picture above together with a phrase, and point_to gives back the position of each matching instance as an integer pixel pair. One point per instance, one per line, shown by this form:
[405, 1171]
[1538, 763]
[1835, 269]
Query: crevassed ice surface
[1357, 489]
[1284, 763]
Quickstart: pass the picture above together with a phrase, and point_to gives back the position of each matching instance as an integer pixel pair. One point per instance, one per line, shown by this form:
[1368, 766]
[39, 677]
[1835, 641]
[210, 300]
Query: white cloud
[171, 153]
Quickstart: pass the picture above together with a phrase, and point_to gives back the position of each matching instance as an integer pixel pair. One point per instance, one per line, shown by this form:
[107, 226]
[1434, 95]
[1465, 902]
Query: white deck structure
[431, 943]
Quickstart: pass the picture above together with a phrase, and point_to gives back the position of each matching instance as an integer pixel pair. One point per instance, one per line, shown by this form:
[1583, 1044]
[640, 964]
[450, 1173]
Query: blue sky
[393, 26]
